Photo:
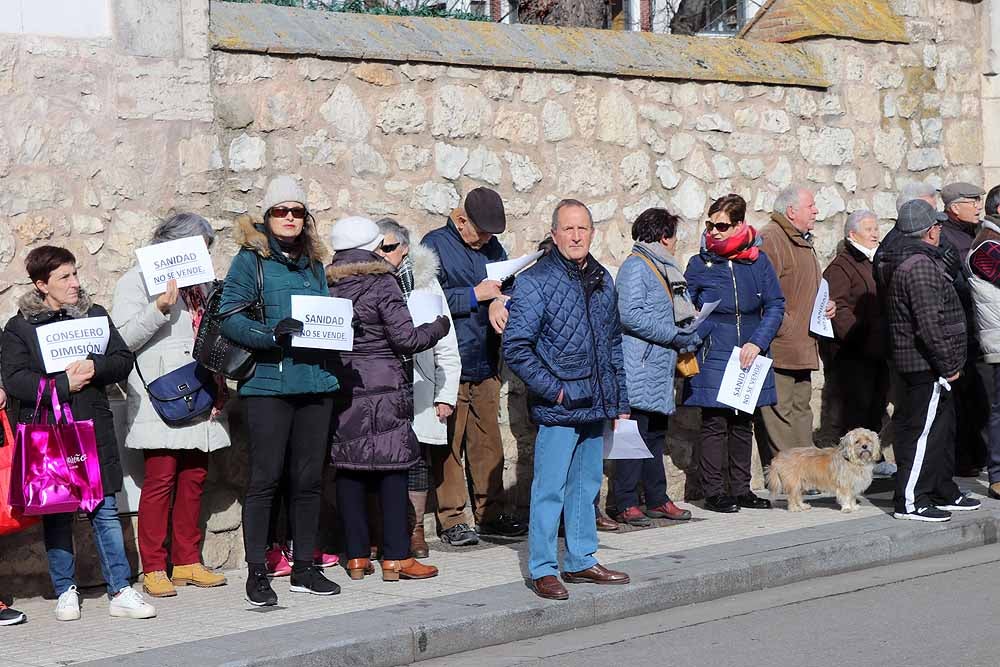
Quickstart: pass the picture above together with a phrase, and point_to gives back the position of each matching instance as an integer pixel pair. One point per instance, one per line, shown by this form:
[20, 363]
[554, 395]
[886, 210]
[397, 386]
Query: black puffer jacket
[926, 320]
[23, 367]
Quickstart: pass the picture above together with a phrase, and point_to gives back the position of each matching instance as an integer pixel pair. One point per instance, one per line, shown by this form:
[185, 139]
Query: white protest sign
[64, 342]
[623, 441]
[328, 322]
[819, 323]
[425, 306]
[741, 388]
[706, 310]
[500, 271]
[185, 260]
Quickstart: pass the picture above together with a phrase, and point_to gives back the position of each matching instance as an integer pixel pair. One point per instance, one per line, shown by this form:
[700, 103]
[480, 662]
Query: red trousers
[180, 474]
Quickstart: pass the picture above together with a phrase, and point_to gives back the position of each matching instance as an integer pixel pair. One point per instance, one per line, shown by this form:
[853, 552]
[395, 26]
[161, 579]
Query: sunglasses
[298, 212]
[721, 226]
[389, 247]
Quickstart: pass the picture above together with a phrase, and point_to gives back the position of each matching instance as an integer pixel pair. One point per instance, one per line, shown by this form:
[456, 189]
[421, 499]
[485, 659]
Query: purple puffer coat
[373, 410]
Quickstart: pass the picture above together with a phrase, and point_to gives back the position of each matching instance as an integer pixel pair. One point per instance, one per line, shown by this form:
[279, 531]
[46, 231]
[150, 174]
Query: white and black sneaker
[10, 616]
[259, 591]
[929, 513]
[311, 580]
[964, 503]
[460, 536]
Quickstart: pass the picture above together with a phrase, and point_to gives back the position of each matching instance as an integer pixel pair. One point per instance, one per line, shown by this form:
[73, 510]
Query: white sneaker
[129, 604]
[68, 605]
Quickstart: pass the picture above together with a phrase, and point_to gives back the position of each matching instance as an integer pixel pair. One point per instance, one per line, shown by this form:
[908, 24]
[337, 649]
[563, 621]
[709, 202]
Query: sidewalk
[480, 597]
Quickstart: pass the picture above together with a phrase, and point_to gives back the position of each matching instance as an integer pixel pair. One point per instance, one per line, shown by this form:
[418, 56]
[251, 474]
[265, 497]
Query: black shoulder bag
[213, 350]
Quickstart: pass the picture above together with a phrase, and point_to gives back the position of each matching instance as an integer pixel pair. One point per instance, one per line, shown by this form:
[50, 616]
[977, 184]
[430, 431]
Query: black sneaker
[963, 504]
[929, 513]
[503, 526]
[10, 616]
[311, 580]
[259, 591]
[460, 536]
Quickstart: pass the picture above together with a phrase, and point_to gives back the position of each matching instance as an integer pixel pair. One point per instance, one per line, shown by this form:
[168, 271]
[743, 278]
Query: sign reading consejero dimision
[67, 341]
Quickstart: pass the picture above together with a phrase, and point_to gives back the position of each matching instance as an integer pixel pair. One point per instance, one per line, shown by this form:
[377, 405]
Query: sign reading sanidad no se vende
[185, 260]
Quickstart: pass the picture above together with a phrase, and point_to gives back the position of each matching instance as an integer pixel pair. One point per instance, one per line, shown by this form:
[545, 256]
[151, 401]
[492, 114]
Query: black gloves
[442, 324]
[287, 327]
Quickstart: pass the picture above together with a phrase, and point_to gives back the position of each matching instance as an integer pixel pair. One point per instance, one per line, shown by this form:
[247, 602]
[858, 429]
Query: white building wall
[61, 18]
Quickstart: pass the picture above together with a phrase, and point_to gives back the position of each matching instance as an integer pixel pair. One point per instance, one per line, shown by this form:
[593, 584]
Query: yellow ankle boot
[198, 575]
[157, 585]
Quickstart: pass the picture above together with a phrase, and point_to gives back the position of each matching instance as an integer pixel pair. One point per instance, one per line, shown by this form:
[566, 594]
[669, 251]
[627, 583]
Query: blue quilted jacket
[558, 339]
[651, 338]
[751, 308]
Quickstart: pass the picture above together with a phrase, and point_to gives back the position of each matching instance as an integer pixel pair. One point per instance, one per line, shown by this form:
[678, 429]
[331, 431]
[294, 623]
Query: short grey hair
[390, 226]
[181, 226]
[914, 190]
[855, 219]
[567, 203]
[788, 197]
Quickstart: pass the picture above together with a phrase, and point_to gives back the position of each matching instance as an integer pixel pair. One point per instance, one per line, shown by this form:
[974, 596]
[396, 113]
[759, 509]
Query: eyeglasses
[721, 226]
[298, 212]
[389, 247]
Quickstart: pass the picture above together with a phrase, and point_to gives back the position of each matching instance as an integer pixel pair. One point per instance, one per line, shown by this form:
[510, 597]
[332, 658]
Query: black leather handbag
[212, 349]
[182, 395]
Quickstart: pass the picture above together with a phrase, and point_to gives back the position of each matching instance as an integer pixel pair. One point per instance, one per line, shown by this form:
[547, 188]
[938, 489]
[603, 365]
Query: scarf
[867, 252]
[404, 276]
[742, 245]
[197, 304]
[684, 310]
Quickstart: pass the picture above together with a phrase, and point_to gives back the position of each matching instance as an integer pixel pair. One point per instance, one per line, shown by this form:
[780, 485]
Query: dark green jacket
[281, 369]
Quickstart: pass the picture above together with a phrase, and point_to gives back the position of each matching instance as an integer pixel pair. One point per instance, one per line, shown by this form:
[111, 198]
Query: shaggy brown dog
[845, 470]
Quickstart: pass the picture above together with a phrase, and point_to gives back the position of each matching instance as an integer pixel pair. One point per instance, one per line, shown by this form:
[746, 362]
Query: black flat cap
[485, 209]
[916, 216]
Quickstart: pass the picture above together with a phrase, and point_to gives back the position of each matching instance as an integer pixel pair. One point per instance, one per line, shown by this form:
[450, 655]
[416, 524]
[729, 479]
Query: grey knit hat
[281, 189]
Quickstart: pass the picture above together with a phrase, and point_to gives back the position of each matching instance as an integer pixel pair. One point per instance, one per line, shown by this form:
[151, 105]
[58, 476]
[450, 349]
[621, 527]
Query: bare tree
[579, 13]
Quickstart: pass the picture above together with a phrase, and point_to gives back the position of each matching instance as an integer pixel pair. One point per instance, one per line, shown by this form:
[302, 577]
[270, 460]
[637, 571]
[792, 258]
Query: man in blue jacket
[564, 340]
[465, 245]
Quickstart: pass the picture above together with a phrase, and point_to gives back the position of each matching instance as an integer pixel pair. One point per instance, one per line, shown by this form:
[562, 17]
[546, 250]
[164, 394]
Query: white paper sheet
[425, 306]
[185, 260]
[706, 310]
[820, 324]
[328, 322]
[741, 388]
[622, 440]
[503, 270]
[64, 342]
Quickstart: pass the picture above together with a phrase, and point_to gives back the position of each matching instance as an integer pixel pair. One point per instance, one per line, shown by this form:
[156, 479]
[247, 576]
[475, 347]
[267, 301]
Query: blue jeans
[568, 470]
[993, 457]
[108, 540]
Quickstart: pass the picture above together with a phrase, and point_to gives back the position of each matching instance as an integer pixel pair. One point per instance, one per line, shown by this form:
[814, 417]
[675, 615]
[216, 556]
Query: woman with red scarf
[732, 270]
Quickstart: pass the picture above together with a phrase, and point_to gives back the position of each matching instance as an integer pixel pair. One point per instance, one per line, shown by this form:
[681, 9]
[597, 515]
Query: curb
[423, 629]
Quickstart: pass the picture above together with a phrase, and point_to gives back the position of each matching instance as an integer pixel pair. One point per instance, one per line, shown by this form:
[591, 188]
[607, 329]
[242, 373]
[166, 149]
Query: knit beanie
[355, 232]
[281, 189]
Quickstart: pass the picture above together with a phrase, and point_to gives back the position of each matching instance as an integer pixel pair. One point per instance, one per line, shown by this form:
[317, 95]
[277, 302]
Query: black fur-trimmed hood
[34, 309]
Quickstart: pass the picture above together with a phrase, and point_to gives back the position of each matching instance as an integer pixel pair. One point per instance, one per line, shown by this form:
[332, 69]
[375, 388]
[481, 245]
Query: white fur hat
[355, 232]
[281, 189]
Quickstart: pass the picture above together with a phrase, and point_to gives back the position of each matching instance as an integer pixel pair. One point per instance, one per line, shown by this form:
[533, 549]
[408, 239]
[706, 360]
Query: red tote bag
[11, 518]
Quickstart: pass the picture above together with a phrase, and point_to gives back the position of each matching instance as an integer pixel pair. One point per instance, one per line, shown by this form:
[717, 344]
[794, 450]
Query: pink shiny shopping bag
[60, 471]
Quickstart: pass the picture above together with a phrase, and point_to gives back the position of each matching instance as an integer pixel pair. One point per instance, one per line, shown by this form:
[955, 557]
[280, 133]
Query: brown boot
[394, 570]
[357, 568]
[418, 544]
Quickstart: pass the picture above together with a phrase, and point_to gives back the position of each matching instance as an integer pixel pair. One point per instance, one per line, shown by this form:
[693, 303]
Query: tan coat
[795, 262]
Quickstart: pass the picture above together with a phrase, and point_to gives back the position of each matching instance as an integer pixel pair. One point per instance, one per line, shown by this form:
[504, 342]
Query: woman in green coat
[288, 399]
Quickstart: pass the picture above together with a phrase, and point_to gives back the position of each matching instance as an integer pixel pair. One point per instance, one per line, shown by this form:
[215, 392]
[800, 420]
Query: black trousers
[285, 432]
[353, 488]
[924, 447]
[629, 472]
[972, 413]
[726, 436]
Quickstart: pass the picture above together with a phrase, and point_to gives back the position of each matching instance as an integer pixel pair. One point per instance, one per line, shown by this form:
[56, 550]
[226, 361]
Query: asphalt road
[936, 612]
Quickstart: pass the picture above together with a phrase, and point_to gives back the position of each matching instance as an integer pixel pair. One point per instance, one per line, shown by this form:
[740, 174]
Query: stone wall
[99, 139]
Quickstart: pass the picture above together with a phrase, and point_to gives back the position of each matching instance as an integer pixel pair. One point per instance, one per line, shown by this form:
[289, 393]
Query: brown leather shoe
[418, 544]
[550, 588]
[357, 568]
[394, 570]
[597, 574]
[606, 525]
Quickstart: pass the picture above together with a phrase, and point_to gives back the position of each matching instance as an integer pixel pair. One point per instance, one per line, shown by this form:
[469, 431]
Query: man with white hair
[788, 244]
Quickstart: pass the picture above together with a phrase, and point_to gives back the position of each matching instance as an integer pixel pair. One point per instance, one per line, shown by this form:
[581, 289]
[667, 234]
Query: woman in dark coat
[732, 270]
[56, 296]
[373, 444]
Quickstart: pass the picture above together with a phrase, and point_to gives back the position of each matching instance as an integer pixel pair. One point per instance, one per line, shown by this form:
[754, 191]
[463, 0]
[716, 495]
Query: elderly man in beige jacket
[788, 244]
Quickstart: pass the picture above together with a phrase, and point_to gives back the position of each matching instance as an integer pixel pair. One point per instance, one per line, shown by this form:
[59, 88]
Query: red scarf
[194, 299]
[741, 245]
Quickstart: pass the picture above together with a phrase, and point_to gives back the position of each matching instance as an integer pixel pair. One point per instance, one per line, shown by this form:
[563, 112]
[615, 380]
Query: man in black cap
[928, 343]
[465, 245]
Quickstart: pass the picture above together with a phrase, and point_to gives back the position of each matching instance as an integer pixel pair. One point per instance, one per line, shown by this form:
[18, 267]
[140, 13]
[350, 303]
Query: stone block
[149, 28]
